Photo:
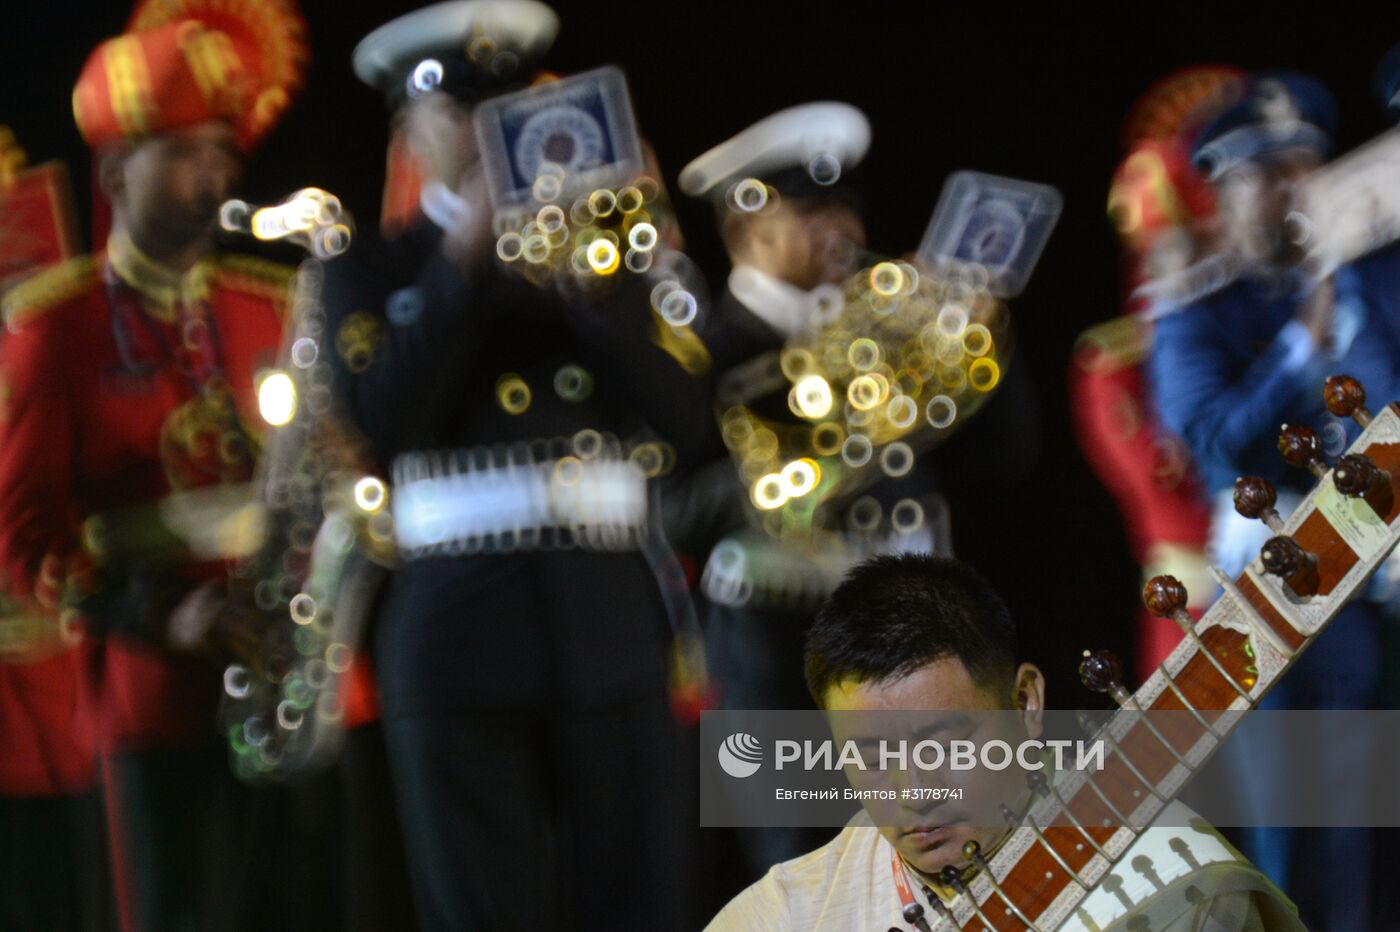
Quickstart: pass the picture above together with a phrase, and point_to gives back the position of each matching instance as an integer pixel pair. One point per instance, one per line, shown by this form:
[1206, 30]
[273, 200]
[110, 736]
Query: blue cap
[1387, 81]
[1280, 111]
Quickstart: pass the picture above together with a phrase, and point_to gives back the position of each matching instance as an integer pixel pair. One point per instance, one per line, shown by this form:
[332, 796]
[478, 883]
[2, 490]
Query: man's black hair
[892, 615]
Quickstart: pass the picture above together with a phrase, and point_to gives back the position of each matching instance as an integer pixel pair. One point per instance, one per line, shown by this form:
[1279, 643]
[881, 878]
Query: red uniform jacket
[100, 373]
[1148, 472]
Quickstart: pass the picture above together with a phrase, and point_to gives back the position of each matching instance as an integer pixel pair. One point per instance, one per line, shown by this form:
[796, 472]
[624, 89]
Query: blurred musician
[784, 193]
[790, 221]
[1163, 211]
[917, 632]
[1229, 369]
[523, 690]
[53, 863]
[131, 373]
[809, 232]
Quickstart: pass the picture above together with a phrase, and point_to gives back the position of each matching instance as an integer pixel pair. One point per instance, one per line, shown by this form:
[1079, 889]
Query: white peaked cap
[525, 27]
[790, 138]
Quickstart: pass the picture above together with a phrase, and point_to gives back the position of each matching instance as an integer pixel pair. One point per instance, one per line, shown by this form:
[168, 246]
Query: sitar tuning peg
[1354, 474]
[1301, 447]
[1255, 498]
[914, 915]
[1165, 597]
[952, 878]
[1101, 672]
[1346, 397]
[1283, 557]
[1357, 476]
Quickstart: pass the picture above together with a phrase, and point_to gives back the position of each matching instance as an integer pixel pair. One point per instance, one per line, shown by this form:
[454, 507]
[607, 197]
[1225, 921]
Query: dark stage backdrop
[991, 86]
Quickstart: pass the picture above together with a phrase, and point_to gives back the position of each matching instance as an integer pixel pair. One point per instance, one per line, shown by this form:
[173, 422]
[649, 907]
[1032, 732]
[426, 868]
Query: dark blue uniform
[1227, 372]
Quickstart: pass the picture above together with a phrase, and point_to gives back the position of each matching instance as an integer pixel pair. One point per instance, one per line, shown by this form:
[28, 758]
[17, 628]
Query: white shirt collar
[786, 308]
[442, 205]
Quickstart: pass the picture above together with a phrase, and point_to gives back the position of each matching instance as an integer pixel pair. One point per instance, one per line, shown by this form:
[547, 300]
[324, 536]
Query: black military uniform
[524, 693]
[754, 642]
[754, 646]
[519, 683]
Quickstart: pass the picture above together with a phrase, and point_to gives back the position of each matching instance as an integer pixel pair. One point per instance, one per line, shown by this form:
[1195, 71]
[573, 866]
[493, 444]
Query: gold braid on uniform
[260, 277]
[1113, 345]
[48, 289]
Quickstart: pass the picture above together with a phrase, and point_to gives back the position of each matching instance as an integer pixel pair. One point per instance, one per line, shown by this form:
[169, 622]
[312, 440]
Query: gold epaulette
[1113, 345]
[261, 277]
[48, 289]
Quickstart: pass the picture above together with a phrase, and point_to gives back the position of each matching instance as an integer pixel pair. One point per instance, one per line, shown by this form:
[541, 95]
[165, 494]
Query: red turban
[183, 62]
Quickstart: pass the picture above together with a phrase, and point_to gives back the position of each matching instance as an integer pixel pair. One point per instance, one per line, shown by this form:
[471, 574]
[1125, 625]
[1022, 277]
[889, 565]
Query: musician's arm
[42, 559]
[1219, 416]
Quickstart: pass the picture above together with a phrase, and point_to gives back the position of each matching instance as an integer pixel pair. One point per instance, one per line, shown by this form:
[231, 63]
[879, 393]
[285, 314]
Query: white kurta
[847, 886]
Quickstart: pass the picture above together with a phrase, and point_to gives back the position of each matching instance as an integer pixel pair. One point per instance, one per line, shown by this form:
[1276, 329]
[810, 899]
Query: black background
[999, 87]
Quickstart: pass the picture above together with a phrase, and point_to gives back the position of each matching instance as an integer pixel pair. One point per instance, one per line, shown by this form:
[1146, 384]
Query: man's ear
[1028, 698]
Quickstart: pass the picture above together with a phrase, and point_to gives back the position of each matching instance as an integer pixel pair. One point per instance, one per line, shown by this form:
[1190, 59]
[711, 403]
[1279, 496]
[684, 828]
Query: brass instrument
[306, 587]
[896, 360]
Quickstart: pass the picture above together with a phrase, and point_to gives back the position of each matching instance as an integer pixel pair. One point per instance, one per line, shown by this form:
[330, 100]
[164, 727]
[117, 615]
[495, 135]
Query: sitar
[1079, 824]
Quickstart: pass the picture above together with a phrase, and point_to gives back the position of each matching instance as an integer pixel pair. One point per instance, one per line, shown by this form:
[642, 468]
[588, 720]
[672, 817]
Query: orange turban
[183, 62]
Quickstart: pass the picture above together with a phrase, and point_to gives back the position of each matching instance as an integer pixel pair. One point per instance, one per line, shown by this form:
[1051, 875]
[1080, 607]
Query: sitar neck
[1320, 558]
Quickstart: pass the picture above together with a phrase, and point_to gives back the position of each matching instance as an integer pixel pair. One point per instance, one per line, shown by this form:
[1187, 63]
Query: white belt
[471, 503]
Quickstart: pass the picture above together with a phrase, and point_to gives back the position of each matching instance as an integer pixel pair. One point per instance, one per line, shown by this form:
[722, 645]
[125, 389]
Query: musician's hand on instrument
[208, 621]
[469, 238]
[194, 617]
[440, 133]
[442, 137]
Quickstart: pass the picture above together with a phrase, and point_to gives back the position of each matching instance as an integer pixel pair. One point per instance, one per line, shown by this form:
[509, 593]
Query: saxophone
[326, 536]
